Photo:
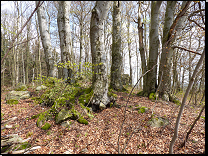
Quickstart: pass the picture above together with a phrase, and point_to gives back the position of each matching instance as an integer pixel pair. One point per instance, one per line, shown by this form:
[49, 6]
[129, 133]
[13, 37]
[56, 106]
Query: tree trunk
[46, 41]
[100, 79]
[141, 46]
[116, 82]
[129, 48]
[153, 45]
[183, 103]
[168, 38]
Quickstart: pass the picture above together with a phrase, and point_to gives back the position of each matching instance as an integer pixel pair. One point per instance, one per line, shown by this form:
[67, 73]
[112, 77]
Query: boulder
[165, 97]
[65, 124]
[158, 122]
[40, 88]
[21, 87]
[63, 115]
[17, 95]
[102, 106]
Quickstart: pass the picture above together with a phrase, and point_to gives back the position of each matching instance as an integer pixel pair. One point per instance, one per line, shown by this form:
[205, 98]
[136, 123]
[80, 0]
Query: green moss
[142, 109]
[12, 101]
[86, 96]
[42, 118]
[23, 146]
[82, 121]
[177, 102]
[35, 116]
[46, 126]
[152, 96]
[111, 104]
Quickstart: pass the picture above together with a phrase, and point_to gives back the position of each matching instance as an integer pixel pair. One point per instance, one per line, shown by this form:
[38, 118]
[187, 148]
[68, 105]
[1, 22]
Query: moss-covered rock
[158, 122]
[46, 126]
[142, 109]
[20, 87]
[17, 95]
[82, 121]
[152, 96]
[63, 115]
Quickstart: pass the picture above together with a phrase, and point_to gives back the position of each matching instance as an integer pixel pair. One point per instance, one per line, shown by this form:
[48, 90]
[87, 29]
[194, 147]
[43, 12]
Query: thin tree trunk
[46, 41]
[175, 136]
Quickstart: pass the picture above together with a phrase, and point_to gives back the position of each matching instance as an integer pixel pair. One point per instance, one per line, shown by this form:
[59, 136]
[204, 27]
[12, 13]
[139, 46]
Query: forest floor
[100, 136]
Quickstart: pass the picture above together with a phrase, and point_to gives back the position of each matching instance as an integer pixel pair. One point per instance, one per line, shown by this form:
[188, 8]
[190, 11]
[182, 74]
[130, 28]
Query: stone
[65, 124]
[68, 152]
[17, 95]
[165, 97]
[102, 106]
[84, 150]
[63, 115]
[21, 87]
[40, 88]
[158, 122]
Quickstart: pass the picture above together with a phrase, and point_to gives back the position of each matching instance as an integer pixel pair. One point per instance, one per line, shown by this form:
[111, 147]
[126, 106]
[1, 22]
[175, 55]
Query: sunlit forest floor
[100, 136]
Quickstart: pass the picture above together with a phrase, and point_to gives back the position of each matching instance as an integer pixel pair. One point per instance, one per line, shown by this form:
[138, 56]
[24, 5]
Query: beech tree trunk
[100, 79]
[168, 38]
[153, 45]
[117, 59]
[65, 36]
[46, 41]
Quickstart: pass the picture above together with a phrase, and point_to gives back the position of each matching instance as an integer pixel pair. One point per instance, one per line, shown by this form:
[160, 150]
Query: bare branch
[186, 49]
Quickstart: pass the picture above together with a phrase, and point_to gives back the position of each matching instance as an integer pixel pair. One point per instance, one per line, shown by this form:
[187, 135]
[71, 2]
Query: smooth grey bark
[100, 79]
[153, 48]
[175, 136]
[46, 41]
[116, 82]
[65, 37]
[168, 38]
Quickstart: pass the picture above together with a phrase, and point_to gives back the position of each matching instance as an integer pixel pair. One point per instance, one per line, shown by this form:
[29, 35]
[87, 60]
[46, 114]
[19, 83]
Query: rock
[84, 150]
[46, 126]
[102, 106]
[158, 122]
[65, 124]
[68, 152]
[17, 95]
[40, 88]
[21, 87]
[165, 97]
[63, 115]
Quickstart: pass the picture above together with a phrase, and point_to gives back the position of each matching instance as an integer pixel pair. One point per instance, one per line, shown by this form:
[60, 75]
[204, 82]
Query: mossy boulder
[140, 93]
[152, 96]
[165, 97]
[142, 109]
[17, 95]
[40, 88]
[46, 126]
[42, 118]
[63, 115]
[158, 122]
[174, 99]
[20, 87]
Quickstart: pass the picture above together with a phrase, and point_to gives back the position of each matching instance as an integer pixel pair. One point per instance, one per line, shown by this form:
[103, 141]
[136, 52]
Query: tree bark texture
[153, 47]
[100, 79]
[168, 38]
[65, 36]
[141, 46]
[175, 136]
[117, 59]
[46, 41]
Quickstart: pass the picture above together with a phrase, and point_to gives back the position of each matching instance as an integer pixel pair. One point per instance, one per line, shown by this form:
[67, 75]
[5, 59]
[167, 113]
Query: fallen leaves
[100, 136]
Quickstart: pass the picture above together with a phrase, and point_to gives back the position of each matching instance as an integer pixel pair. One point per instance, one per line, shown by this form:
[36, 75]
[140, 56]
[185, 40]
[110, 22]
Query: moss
[82, 121]
[12, 101]
[46, 126]
[86, 96]
[42, 118]
[152, 96]
[23, 146]
[111, 104]
[35, 116]
[111, 94]
[142, 109]
[177, 102]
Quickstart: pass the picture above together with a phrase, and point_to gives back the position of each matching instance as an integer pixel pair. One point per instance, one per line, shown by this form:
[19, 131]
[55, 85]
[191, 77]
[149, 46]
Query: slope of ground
[101, 134]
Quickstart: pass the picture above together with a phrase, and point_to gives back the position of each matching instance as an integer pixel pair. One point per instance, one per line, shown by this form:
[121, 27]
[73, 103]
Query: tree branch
[13, 40]
[186, 49]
